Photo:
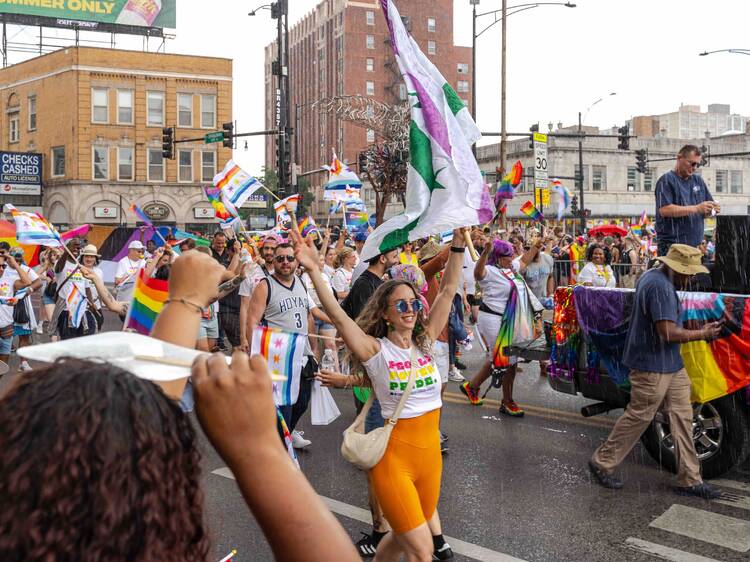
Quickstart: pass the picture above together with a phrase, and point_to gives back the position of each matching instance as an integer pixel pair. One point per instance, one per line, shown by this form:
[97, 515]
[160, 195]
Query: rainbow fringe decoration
[505, 335]
[307, 226]
[149, 296]
[531, 211]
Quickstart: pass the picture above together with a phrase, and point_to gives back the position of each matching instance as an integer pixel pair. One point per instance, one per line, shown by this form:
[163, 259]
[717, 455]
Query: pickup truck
[584, 345]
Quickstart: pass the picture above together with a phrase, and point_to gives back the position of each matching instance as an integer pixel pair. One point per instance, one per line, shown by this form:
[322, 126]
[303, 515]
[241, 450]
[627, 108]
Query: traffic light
[228, 134]
[624, 138]
[362, 162]
[641, 160]
[574, 205]
[288, 146]
[705, 155]
[533, 129]
[167, 143]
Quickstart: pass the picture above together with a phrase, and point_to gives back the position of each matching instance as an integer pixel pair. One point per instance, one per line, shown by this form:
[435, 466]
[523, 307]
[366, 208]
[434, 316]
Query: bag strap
[60, 286]
[407, 392]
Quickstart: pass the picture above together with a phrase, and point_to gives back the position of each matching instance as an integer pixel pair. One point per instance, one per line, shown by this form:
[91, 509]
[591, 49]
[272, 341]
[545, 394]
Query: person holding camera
[13, 278]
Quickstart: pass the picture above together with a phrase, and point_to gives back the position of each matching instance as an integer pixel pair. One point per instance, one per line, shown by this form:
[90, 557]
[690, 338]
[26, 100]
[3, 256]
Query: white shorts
[489, 326]
[442, 362]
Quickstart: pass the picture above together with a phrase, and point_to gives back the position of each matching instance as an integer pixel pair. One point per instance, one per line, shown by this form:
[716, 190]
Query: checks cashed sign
[20, 173]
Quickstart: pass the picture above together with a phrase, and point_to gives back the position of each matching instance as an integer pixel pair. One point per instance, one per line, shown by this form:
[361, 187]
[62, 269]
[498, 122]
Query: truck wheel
[721, 434]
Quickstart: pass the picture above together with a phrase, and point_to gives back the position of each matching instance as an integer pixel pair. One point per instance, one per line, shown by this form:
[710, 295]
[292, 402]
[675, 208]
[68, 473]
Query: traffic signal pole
[580, 174]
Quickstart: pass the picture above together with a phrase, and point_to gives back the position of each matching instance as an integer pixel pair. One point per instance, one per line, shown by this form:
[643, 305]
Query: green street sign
[214, 137]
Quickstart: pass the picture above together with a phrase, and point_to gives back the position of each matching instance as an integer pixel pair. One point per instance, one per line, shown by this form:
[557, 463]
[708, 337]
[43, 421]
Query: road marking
[705, 526]
[358, 514]
[744, 486]
[664, 552]
[735, 500]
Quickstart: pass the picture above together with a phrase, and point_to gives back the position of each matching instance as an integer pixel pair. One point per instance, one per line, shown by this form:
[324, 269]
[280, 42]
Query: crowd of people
[115, 472]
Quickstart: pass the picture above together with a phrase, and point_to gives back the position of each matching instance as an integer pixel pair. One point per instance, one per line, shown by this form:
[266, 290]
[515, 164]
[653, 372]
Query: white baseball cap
[136, 245]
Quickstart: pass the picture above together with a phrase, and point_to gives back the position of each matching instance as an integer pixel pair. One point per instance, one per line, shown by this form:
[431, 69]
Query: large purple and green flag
[445, 189]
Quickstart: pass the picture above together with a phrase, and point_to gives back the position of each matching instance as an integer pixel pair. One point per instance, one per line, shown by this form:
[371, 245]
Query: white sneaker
[299, 442]
[454, 375]
[39, 329]
[25, 367]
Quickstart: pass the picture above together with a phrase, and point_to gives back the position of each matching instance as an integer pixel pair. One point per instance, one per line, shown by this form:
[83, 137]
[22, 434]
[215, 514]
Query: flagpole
[343, 213]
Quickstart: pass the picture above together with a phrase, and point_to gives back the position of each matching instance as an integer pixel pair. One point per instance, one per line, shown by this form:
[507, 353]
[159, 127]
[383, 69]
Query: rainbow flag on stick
[33, 228]
[149, 296]
[284, 352]
[76, 305]
[141, 215]
[531, 211]
[235, 185]
[75, 232]
[307, 226]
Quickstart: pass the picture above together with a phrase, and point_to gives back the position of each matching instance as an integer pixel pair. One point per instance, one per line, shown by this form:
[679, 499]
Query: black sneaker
[443, 553]
[702, 490]
[459, 365]
[606, 480]
[366, 547]
[443, 437]
[444, 449]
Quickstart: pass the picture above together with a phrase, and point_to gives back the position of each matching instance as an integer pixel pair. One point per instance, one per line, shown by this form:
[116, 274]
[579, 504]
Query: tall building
[96, 116]
[342, 48]
[689, 122]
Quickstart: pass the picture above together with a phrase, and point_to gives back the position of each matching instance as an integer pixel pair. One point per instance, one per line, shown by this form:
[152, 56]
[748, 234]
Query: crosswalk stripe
[706, 526]
[664, 552]
[744, 486]
[357, 513]
[735, 500]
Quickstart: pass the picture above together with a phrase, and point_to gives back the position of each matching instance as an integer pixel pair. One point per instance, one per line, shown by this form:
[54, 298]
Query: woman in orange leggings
[389, 335]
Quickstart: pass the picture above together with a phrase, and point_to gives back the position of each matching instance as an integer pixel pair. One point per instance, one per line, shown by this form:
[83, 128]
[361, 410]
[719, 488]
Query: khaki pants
[648, 392]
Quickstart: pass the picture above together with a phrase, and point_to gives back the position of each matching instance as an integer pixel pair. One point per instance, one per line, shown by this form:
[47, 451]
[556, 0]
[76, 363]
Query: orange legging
[406, 481]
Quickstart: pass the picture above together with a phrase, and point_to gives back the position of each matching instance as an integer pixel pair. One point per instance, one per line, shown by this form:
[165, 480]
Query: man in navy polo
[682, 201]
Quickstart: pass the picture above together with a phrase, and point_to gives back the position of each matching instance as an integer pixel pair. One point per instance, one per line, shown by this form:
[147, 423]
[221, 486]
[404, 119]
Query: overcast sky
[560, 60]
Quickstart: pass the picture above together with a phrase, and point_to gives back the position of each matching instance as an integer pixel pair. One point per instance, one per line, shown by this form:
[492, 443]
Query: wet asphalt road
[515, 487]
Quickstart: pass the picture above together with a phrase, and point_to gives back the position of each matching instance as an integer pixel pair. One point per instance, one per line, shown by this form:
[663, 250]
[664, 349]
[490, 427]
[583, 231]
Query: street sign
[541, 177]
[214, 137]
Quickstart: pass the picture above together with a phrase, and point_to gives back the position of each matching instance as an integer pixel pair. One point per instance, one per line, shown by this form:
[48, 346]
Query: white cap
[136, 245]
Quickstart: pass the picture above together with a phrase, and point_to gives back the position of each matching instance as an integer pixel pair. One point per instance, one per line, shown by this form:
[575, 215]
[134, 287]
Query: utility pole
[279, 11]
[582, 206]
[474, 67]
[503, 131]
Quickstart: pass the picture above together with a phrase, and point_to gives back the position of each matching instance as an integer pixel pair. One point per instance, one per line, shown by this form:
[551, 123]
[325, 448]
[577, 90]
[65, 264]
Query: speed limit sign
[541, 176]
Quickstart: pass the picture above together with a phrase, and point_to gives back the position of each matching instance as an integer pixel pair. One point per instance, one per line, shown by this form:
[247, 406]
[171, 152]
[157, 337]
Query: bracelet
[199, 309]
[458, 250]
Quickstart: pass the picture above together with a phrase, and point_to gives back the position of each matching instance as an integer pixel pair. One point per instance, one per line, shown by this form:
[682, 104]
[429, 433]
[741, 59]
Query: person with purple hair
[498, 280]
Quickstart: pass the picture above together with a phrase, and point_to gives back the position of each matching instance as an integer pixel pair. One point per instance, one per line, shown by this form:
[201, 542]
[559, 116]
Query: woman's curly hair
[97, 465]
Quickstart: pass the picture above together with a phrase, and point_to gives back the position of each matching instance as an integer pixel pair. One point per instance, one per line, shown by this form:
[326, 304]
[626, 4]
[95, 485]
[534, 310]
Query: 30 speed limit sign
[541, 176]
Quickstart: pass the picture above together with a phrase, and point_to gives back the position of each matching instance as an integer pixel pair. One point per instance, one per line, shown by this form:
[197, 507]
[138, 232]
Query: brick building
[96, 116]
[341, 48]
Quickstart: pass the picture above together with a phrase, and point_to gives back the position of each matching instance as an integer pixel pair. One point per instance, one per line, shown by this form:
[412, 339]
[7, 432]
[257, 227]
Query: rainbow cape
[284, 352]
[517, 323]
[531, 211]
[149, 296]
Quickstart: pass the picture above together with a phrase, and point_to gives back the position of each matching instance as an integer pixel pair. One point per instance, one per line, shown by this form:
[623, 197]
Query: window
[184, 110]
[155, 108]
[370, 17]
[463, 85]
[125, 163]
[370, 88]
[99, 105]
[599, 178]
[648, 179]
[208, 165]
[431, 25]
[370, 135]
[100, 155]
[462, 68]
[721, 181]
[185, 165]
[208, 111]
[735, 183]
[125, 107]
[585, 175]
[370, 41]
[370, 65]
[32, 113]
[632, 178]
[14, 127]
[58, 162]
[155, 165]
[402, 92]
[431, 48]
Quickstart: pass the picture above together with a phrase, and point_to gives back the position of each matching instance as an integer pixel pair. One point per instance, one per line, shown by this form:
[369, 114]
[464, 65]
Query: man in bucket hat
[657, 373]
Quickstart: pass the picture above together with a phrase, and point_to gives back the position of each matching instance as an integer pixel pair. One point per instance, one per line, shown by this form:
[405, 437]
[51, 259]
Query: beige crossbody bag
[365, 450]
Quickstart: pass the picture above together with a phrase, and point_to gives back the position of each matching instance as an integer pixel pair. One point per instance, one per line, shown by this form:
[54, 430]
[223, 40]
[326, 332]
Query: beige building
[689, 122]
[96, 116]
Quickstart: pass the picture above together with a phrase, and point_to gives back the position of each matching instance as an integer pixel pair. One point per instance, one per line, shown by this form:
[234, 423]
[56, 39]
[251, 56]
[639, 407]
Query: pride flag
[289, 203]
[221, 212]
[563, 197]
[531, 211]
[75, 232]
[235, 185]
[307, 226]
[284, 352]
[76, 305]
[505, 335]
[8, 234]
[341, 180]
[148, 300]
[357, 221]
[141, 215]
[33, 228]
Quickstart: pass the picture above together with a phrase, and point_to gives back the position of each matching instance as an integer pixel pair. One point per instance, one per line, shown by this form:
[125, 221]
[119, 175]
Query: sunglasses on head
[280, 259]
[402, 305]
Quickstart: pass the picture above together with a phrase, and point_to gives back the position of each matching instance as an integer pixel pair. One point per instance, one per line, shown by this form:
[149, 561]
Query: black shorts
[473, 300]
[230, 323]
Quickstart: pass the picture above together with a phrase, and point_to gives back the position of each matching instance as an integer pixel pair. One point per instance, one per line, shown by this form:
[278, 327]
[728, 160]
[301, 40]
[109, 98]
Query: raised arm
[480, 268]
[441, 308]
[359, 343]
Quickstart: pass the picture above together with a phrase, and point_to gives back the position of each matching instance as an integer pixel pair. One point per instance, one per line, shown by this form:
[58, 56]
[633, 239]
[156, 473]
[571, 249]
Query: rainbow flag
[531, 211]
[8, 234]
[563, 197]
[141, 215]
[515, 175]
[284, 352]
[235, 185]
[289, 203]
[33, 228]
[307, 226]
[148, 300]
[221, 212]
[357, 221]
[76, 304]
[341, 180]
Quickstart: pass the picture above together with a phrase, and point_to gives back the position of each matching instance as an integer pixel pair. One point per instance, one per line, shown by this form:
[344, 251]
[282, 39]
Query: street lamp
[505, 13]
[735, 51]
[259, 8]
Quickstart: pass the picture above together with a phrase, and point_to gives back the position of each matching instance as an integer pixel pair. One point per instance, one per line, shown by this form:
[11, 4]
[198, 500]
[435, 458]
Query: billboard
[20, 173]
[103, 15]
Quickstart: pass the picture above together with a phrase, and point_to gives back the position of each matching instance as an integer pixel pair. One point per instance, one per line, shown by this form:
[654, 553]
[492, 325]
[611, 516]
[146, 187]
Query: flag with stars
[284, 352]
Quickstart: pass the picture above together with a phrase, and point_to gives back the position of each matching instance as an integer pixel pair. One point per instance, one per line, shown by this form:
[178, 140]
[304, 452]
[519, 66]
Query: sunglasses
[402, 306]
[280, 259]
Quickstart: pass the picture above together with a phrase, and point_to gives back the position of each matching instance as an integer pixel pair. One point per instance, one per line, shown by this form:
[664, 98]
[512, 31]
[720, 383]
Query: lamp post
[504, 11]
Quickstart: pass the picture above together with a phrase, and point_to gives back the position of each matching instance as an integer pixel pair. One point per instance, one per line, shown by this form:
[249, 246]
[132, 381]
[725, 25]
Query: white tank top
[496, 288]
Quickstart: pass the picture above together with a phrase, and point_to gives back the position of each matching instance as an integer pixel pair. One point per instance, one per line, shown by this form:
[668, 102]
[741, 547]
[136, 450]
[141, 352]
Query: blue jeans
[456, 329]
[187, 402]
